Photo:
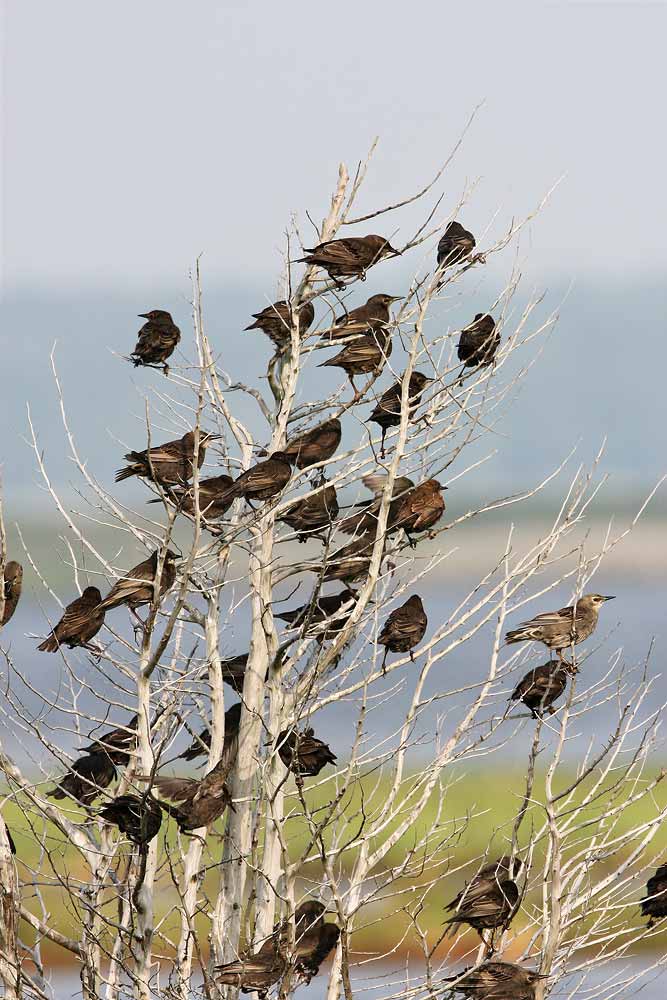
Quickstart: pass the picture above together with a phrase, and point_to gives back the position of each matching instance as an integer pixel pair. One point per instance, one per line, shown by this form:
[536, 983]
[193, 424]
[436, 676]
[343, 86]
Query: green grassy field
[490, 796]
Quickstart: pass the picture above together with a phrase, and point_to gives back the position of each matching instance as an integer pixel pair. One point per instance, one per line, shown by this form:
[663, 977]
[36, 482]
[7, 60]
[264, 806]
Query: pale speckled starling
[363, 356]
[455, 245]
[117, 743]
[541, 687]
[404, 628]
[264, 480]
[82, 620]
[497, 981]
[560, 629]
[302, 753]
[654, 905]
[322, 615]
[372, 316]
[314, 940]
[138, 586]
[312, 514]
[170, 464]
[387, 413]
[201, 745]
[350, 257]
[479, 342]
[215, 497]
[488, 905]
[86, 778]
[316, 445]
[139, 819]
[12, 586]
[157, 341]
[276, 321]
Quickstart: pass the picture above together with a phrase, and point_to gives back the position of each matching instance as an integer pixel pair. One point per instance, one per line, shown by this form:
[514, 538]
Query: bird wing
[550, 618]
[124, 588]
[178, 789]
[77, 614]
[375, 483]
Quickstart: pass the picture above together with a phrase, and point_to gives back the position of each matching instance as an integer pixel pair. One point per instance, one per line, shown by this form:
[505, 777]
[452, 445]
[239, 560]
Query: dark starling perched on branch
[314, 940]
[654, 905]
[314, 446]
[312, 514]
[138, 586]
[365, 354]
[455, 245]
[169, 464]
[350, 257]
[488, 877]
[404, 628]
[387, 413]
[233, 671]
[370, 317]
[302, 753]
[214, 497]
[12, 584]
[81, 621]
[116, 743]
[411, 509]
[264, 480]
[479, 342]
[560, 629]
[541, 687]
[487, 903]
[276, 321]
[200, 802]
[86, 778]
[10, 839]
[157, 341]
[350, 562]
[200, 746]
[138, 818]
[321, 616]
[497, 981]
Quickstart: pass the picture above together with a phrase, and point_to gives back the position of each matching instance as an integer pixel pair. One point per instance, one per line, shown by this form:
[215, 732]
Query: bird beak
[395, 253]
[612, 598]
[396, 298]
[143, 315]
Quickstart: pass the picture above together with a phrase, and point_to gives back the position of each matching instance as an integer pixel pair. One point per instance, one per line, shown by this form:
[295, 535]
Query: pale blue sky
[138, 134]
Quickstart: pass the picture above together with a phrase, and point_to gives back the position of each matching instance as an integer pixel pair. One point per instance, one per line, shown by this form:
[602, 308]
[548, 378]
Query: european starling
[312, 514]
[264, 480]
[314, 446]
[560, 629]
[116, 743]
[169, 464]
[138, 818]
[302, 752]
[365, 354]
[487, 878]
[487, 905]
[372, 316]
[655, 904]
[350, 562]
[214, 497]
[81, 621]
[314, 939]
[233, 671]
[479, 342]
[321, 616]
[541, 687]
[455, 245]
[200, 746]
[201, 801]
[157, 339]
[276, 322]
[13, 583]
[404, 628]
[138, 586]
[350, 257]
[497, 981]
[411, 509]
[387, 413]
[86, 778]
